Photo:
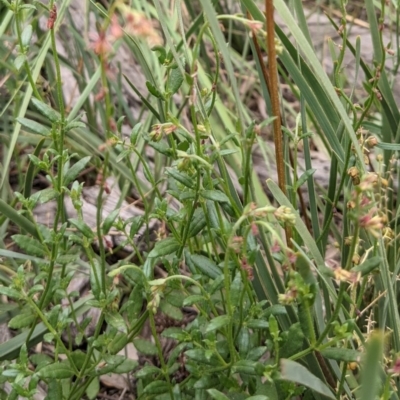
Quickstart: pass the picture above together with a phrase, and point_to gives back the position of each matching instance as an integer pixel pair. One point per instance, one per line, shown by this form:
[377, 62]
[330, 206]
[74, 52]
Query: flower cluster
[136, 24]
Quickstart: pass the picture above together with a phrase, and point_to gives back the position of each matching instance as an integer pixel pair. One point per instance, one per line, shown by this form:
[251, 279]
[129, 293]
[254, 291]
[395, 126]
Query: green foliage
[270, 318]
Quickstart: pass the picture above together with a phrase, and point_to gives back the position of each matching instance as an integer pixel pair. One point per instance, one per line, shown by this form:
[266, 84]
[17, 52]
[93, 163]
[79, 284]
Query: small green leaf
[30, 245]
[124, 153]
[26, 35]
[74, 171]
[33, 126]
[295, 372]
[181, 177]
[19, 61]
[227, 152]
[257, 324]
[217, 395]
[164, 247]
[294, 341]
[54, 390]
[93, 389]
[79, 357]
[243, 341]
[114, 319]
[162, 53]
[82, 227]
[341, 354]
[75, 125]
[371, 377]
[175, 81]
[256, 353]
[154, 91]
[46, 110]
[218, 323]
[245, 367]
[108, 222]
[145, 347]
[57, 370]
[118, 343]
[303, 178]
[197, 223]
[215, 195]
[368, 266]
[206, 266]
[128, 365]
[26, 318]
[9, 292]
[172, 311]
[111, 363]
[95, 278]
[199, 355]
[47, 195]
[27, 7]
[206, 381]
[147, 370]
[156, 387]
[190, 300]
[135, 133]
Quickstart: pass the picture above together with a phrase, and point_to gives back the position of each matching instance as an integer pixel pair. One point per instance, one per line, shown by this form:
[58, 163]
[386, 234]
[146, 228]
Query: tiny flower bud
[343, 275]
[348, 240]
[371, 142]
[284, 215]
[204, 92]
[351, 205]
[353, 172]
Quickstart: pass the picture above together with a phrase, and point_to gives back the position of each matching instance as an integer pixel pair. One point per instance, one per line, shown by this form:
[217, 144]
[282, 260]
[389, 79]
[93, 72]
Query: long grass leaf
[27, 97]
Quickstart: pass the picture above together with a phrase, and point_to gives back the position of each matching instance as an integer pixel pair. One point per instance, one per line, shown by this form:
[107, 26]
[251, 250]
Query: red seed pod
[52, 17]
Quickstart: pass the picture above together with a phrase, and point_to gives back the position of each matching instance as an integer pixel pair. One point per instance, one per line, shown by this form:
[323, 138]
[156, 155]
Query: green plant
[269, 317]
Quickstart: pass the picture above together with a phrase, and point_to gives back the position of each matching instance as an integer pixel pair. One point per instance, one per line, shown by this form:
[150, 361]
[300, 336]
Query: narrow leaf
[82, 227]
[46, 110]
[33, 126]
[73, 172]
[145, 347]
[156, 387]
[197, 223]
[341, 354]
[215, 195]
[181, 177]
[108, 222]
[304, 177]
[10, 292]
[206, 266]
[175, 81]
[165, 247]
[26, 35]
[115, 320]
[30, 245]
[17, 218]
[218, 323]
[22, 320]
[217, 395]
[370, 371]
[295, 372]
[58, 370]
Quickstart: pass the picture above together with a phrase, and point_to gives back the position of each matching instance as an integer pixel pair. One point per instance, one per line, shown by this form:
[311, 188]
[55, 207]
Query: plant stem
[274, 95]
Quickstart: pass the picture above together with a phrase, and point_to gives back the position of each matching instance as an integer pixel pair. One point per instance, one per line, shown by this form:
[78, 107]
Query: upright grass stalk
[275, 103]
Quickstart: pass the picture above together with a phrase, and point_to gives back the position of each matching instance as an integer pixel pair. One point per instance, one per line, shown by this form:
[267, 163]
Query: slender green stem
[22, 51]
